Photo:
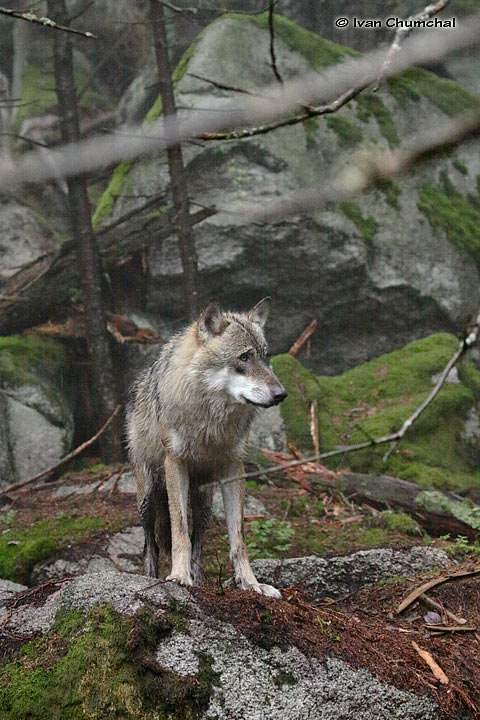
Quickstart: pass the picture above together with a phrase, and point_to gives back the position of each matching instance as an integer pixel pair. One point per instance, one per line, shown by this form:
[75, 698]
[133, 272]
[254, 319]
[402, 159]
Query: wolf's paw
[182, 578]
[262, 589]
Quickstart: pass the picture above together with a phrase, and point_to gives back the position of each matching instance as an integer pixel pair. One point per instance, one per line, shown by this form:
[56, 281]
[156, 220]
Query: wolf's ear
[259, 313]
[211, 322]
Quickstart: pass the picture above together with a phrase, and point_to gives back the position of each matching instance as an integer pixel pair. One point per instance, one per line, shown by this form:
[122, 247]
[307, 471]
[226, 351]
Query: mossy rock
[22, 548]
[374, 399]
[100, 667]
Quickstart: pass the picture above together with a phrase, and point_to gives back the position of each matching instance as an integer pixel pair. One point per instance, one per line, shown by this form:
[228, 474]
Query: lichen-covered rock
[36, 420]
[345, 574]
[374, 399]
[396, 264]
[118, 645]
[22, 240]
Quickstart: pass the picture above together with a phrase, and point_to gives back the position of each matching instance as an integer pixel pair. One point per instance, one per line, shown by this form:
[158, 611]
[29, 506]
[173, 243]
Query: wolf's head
[234, 355]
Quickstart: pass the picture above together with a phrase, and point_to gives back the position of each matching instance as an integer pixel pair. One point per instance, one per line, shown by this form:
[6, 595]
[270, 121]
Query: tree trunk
[88, 258]
[176, 168]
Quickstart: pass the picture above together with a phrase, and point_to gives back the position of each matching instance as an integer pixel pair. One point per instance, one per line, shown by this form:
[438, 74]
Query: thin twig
[302, 339]
[46, 22]
[64, 460]
[220, 86]
[272, 43]
[403, 32]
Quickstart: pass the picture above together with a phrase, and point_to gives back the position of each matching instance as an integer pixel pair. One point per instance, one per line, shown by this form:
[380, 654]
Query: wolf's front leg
[176, 479]
[233, 493]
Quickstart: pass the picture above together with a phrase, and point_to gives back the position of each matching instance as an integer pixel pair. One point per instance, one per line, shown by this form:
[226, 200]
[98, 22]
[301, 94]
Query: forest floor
[363, 628]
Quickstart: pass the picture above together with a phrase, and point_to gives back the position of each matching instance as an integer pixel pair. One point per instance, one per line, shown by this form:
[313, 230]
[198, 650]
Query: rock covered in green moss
[376, 272]
[35, 417]
[374, 399]
[118, 645]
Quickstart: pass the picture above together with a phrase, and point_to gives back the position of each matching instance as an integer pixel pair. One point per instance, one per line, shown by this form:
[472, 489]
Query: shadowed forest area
[154, 156]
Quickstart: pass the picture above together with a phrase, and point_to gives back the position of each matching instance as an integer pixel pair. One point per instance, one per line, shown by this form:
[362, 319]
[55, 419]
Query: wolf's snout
[279, 395]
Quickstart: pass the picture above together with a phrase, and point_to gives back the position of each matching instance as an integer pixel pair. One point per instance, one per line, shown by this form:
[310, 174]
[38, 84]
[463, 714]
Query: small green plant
[326, 629]
[268, 538]
[7, 518]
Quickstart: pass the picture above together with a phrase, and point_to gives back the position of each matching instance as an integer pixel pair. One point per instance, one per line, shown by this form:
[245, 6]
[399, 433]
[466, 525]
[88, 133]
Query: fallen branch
[46, 22]
[449, 628]
[415, 594]
[42, 290]
[302, 339]
[64, 460]
[441, 609]
[434, 666]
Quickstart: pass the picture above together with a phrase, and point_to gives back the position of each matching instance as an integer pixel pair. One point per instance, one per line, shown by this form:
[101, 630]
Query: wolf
[187, 426]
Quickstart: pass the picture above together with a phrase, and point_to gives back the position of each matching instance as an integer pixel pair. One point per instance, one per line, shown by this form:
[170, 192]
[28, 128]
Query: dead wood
[434, 666]
[44, 288]
[415, 594]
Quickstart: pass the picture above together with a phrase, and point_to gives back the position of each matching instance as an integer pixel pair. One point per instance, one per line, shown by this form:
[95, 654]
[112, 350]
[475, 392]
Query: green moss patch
[348, 134]
[367, 226]
[22, 359]
[370, 105]
[448, 96]
[102, 667]
[22, 549]
[455, 215]
[375, 399]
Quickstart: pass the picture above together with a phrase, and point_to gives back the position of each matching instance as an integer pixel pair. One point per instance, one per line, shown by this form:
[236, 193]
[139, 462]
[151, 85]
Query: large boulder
[36, 421]
[118, 645]
[394, 265]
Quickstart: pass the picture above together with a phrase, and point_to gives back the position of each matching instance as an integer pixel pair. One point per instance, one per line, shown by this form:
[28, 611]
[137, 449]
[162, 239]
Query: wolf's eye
[243, 357]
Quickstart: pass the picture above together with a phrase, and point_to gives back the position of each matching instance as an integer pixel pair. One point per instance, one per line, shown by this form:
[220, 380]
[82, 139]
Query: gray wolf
[187, 427]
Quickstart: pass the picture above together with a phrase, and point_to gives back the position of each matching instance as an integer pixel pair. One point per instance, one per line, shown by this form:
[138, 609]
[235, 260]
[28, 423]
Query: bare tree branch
[108, 149]
[403, 32]
[308, 113]
[272, 43]
[45, 21]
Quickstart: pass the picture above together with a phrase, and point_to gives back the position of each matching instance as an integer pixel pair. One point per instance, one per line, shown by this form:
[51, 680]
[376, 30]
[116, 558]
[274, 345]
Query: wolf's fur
[187, 427]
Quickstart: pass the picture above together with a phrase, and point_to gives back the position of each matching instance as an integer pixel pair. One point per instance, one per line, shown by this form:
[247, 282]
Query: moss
[348, 134]
[370, 105]
[374, 399]
[463, 510]
[108, 670]
[392, 193]
[455, 215]
[367, 226]
[21, 549]
[22, 359]
[38, 91]
[115, 186]
[396, 522]
[317, 51]
[460, 166]
[448, 96]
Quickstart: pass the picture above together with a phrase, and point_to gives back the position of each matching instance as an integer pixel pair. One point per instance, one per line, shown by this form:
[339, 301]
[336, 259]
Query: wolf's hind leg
[233, 493]
[201, 497]
[147, 499]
